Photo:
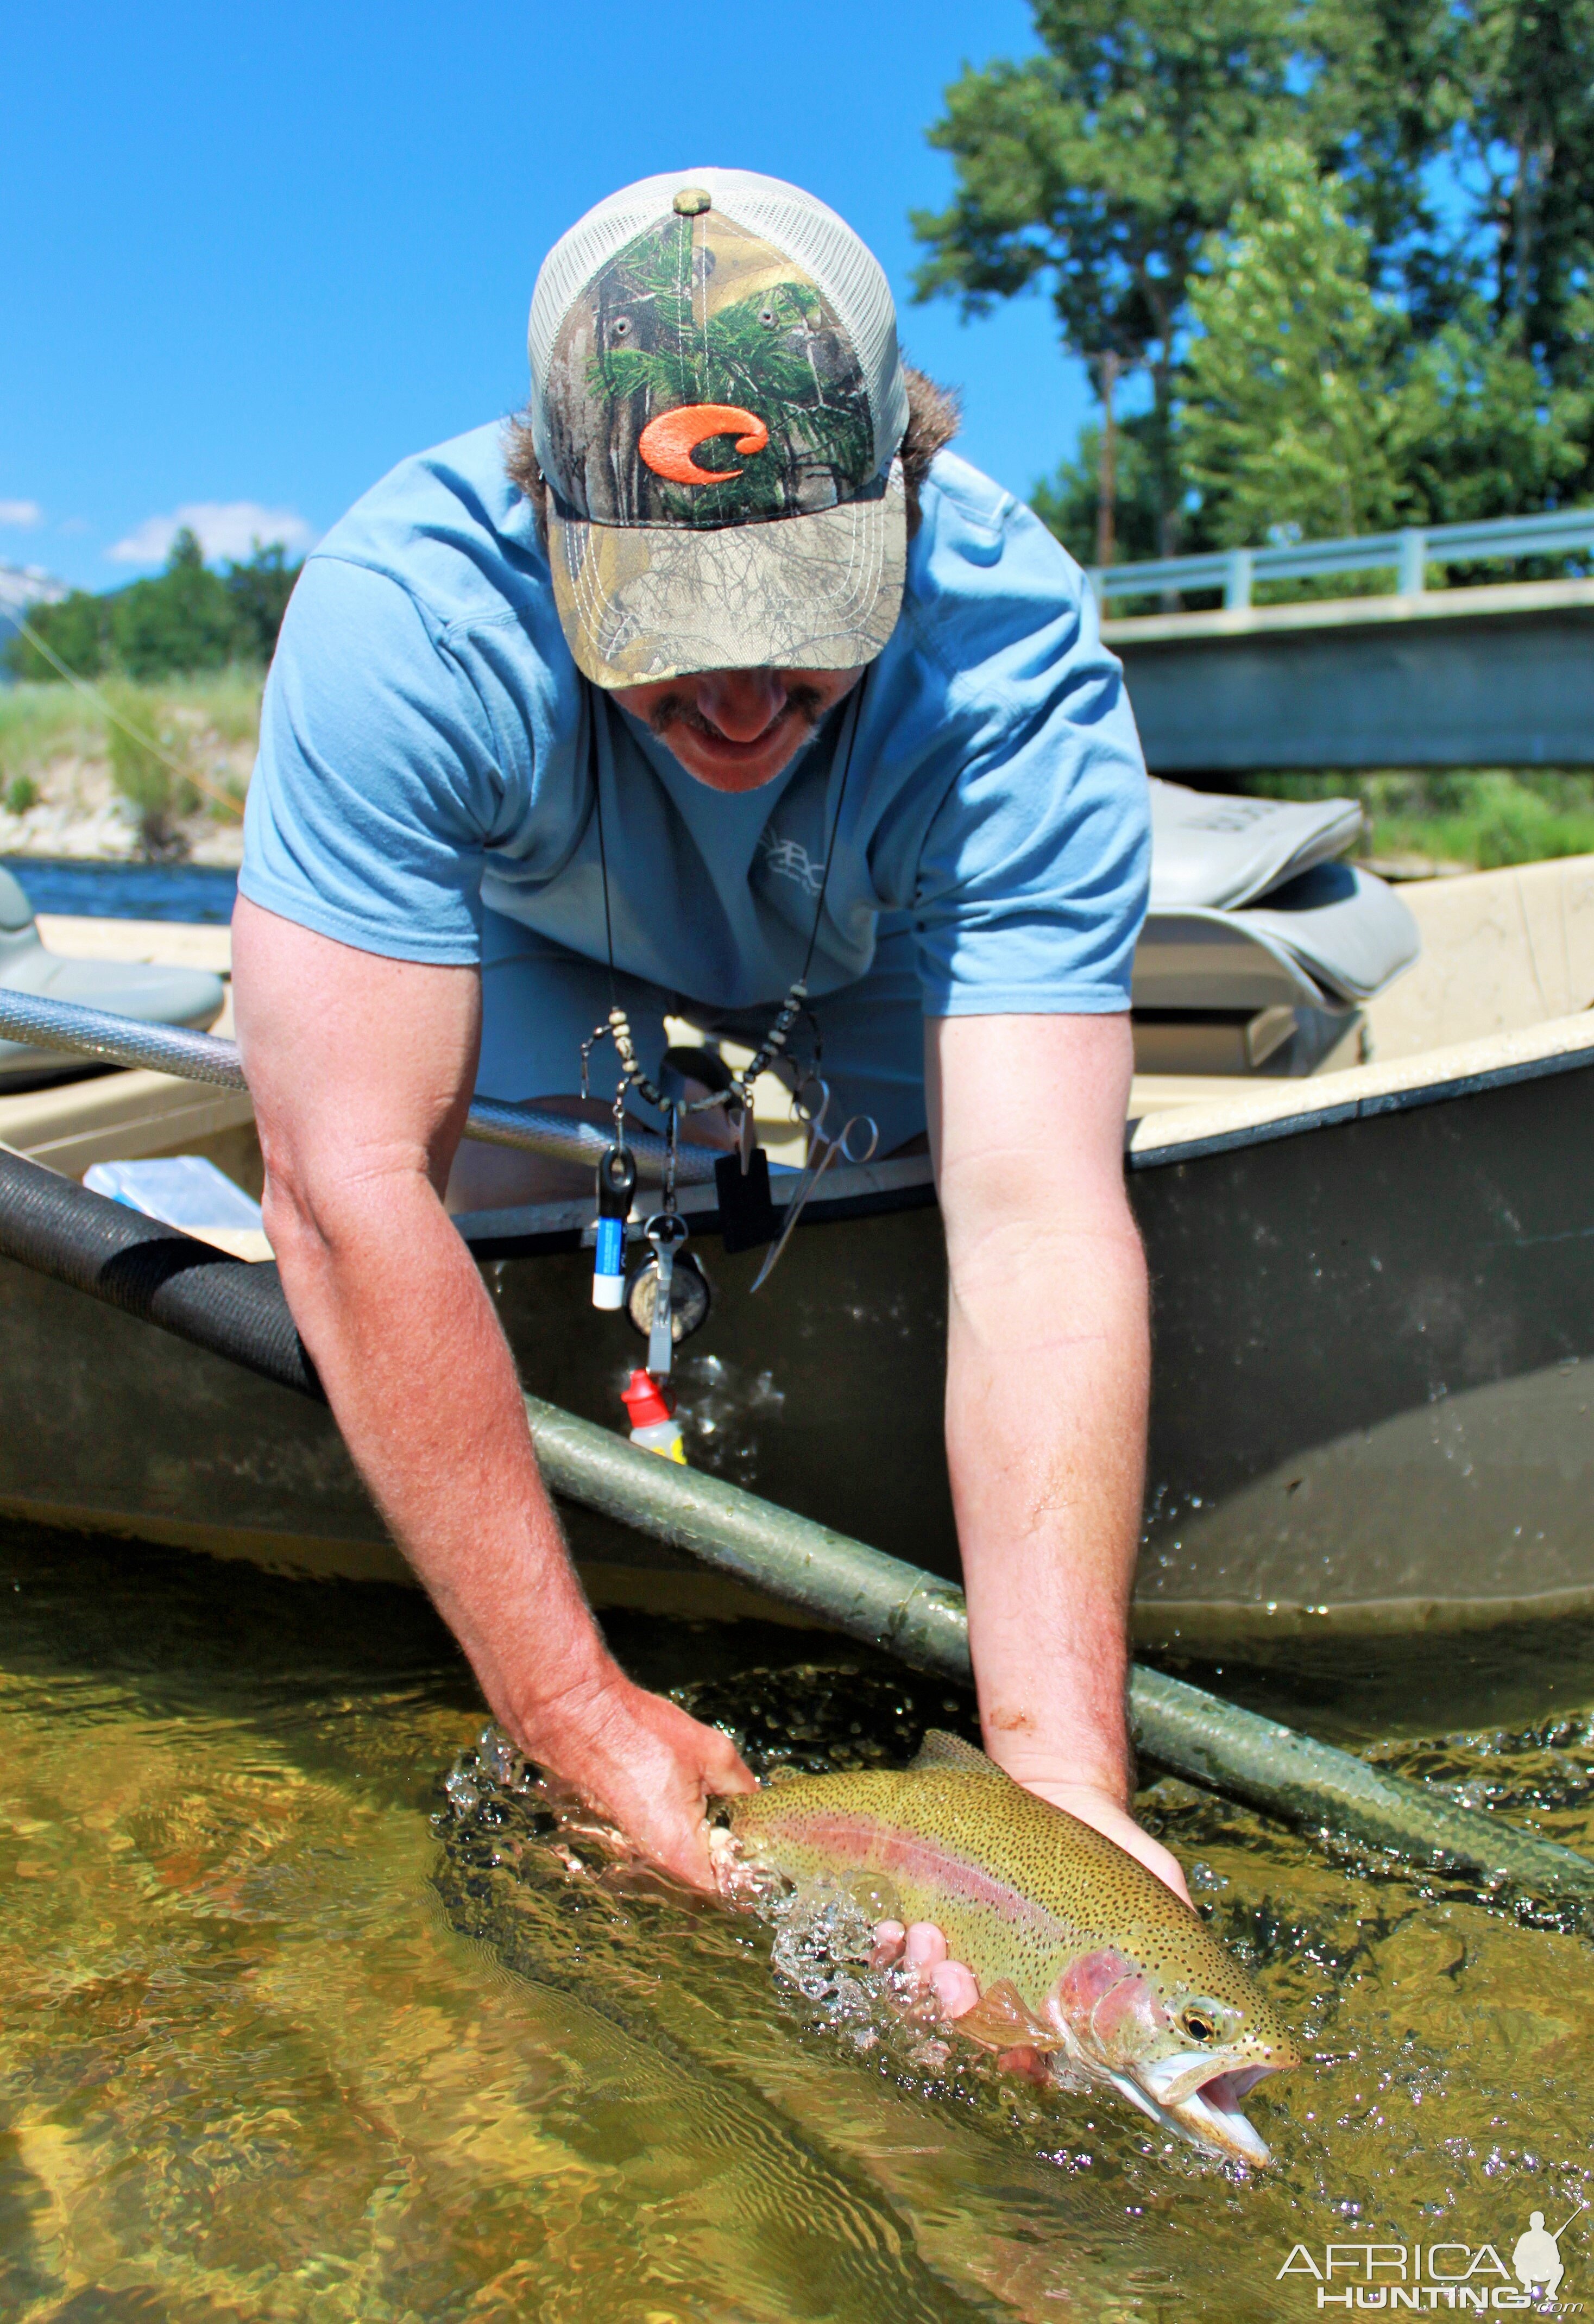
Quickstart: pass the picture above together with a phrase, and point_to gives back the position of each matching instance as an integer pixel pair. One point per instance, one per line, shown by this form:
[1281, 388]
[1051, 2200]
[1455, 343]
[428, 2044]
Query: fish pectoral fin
[1001, 2019]
[940, 1749]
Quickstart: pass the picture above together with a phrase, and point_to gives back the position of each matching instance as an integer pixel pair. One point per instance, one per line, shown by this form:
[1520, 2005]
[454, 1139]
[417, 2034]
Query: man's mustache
[804, 703]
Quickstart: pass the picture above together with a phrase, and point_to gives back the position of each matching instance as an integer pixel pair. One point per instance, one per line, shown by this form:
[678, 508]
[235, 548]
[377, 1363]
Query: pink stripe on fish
[863, 1841]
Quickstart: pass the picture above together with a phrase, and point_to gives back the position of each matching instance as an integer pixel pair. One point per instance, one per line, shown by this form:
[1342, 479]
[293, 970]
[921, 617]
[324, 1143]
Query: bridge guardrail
[1559, 532]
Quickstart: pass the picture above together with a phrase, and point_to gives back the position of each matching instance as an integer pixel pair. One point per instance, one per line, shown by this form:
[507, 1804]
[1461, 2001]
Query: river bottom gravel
[292, 2027]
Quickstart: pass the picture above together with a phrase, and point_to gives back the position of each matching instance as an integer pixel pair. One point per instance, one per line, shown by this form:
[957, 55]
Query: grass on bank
[171, 748]
[1483, 820]
[207, 724]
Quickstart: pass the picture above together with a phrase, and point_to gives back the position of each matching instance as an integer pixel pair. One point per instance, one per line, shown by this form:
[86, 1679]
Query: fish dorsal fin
[940, 1749]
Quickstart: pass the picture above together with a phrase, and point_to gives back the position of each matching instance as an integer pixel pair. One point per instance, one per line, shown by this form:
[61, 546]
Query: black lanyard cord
[791, 1008]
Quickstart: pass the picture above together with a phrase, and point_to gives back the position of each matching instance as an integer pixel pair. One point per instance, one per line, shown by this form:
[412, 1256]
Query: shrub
[148, 750]
[185, 621]
[1487, 819]
[22, 792]
[78, 630]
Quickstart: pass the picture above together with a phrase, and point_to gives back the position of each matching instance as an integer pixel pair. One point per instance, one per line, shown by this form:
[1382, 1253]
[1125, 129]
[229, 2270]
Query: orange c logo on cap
[667, 443]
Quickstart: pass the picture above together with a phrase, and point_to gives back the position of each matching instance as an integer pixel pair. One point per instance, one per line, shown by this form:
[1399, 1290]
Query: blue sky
[255, 257]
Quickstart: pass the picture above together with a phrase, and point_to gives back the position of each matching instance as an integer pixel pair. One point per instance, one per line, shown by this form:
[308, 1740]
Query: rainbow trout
[1079, 1951]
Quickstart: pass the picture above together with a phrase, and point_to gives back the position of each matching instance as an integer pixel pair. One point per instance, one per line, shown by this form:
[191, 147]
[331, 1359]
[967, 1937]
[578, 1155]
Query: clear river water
[191, 892]
[291, 2026]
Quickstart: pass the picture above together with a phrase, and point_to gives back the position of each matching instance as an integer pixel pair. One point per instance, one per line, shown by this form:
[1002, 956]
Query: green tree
[182, 619]
[259, 591]
[1307, 399]
[1289, 411]
[1098, 169]
[1382, 94]
[1069, 501]
[1348, 349]
[1478, 433]
[1527, 129]
[188, 618]
[77, 630]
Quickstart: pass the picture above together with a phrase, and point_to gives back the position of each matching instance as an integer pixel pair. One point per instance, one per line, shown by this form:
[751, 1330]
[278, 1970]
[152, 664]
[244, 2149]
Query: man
[1536, 2255]
[719, 611]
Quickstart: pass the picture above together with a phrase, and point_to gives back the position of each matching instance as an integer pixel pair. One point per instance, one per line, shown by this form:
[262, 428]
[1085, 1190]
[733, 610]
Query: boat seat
[1218, 854]
[155, 995]
[1334, 935]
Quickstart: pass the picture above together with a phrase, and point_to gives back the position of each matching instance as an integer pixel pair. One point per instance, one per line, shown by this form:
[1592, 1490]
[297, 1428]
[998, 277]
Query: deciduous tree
[1098, 169]
[187, 618]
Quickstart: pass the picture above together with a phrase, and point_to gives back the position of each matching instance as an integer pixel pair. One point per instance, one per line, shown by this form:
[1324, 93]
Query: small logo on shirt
[788, 859]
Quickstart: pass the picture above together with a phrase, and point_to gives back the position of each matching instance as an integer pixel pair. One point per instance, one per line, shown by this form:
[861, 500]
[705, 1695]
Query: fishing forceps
[822, 1152]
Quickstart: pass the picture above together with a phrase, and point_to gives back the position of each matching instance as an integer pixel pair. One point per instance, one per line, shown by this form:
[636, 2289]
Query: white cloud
[20, 512]
[223, 529]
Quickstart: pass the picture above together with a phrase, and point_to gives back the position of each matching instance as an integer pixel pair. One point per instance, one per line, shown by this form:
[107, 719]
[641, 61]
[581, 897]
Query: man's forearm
[361, 1069]
[1046, 1402]
[424, 1387]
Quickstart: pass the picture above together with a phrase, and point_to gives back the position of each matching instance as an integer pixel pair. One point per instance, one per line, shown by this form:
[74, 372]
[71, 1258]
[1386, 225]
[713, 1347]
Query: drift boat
[1374, 1288]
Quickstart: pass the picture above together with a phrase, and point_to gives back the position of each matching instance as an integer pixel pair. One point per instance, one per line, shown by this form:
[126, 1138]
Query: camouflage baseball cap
[717, 404]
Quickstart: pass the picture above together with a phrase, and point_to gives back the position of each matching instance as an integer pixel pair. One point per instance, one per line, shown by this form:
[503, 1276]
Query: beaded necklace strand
[617, 1025]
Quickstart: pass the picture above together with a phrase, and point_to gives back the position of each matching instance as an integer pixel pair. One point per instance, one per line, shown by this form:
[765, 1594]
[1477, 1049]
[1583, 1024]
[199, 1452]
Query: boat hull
[1374, 1348]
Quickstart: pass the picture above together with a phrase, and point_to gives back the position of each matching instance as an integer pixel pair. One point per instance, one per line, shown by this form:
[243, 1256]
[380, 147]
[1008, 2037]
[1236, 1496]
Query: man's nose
[741, 702]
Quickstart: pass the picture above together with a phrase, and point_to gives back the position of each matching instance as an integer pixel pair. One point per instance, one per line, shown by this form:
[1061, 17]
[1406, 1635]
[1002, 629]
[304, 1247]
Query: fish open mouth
[1184, 2095]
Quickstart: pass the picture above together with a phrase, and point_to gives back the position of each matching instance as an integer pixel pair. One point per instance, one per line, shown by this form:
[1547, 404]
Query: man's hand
[649, 1766]
[361, 1069]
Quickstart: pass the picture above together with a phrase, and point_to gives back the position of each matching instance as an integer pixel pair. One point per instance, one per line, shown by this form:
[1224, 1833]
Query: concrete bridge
[1500, 676]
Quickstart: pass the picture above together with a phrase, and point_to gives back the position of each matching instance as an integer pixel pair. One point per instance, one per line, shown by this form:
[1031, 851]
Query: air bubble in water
[460, 1793]
[501, 1763]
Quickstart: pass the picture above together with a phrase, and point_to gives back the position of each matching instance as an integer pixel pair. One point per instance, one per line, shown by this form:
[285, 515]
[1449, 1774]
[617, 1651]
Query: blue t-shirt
[427, 747]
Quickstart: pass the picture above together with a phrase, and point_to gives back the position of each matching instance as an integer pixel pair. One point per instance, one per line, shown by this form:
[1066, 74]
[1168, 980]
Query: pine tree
[1287, 403]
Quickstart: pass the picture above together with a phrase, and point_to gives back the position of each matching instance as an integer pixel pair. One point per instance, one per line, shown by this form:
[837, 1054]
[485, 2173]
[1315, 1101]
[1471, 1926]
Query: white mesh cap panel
[823, 245]
[576, 257]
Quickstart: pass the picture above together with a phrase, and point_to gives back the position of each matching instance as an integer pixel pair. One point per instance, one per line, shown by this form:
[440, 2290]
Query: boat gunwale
[868, 1190]
[1459, 1070]
[1260, 1117]
[1172, 1624]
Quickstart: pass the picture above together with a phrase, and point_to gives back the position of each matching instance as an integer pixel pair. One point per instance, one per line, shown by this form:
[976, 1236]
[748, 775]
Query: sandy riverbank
[128, 773]
[79, 813]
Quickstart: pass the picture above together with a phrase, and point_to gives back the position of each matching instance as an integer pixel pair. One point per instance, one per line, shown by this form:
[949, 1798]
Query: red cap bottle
[653, 1425]
[646, 1402]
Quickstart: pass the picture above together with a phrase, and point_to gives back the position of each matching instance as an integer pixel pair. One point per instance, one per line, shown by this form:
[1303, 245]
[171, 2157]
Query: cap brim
[642, 602]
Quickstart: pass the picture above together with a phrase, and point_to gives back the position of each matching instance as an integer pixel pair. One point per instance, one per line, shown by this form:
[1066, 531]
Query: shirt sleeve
[1034, 869]
[377, 784]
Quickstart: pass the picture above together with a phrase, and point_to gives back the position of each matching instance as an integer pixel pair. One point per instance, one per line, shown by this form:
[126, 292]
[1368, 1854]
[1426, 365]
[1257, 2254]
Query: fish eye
[1197, 2024]
[623, 327]
[767, 316]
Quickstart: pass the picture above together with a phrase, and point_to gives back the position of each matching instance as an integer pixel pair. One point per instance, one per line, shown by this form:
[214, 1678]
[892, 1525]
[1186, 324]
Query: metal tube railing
[1554, 532]
[238, 1311]
[62, 1025]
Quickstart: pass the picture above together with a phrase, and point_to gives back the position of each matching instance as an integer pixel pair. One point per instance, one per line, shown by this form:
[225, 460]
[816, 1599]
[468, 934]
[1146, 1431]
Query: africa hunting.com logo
[1469, 2277]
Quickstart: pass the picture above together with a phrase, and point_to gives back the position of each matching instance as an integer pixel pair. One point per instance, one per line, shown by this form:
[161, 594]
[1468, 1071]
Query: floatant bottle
[609, 1265]
[654, 1424]
[617, 1183]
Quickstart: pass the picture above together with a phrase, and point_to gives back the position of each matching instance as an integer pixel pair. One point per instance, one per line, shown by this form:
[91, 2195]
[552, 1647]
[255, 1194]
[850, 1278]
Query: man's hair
[933, 415]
